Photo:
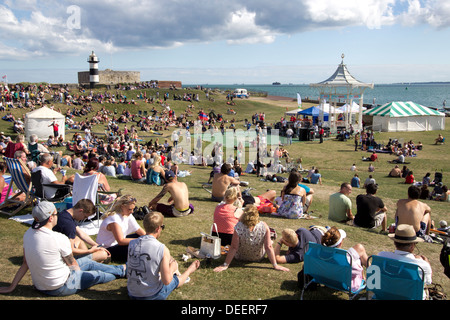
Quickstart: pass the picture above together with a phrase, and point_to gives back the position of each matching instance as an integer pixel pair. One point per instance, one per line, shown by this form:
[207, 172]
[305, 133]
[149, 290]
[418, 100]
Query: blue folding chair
[18, 178]
[394, 279]
[331, 267]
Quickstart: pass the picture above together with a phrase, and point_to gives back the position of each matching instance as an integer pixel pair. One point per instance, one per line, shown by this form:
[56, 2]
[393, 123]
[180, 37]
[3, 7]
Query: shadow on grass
[17, 261]
[192, 242]
[206, 198]
[96, 295]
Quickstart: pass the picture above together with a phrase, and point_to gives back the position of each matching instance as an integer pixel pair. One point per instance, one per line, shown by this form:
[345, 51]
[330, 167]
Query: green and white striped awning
[402, 109]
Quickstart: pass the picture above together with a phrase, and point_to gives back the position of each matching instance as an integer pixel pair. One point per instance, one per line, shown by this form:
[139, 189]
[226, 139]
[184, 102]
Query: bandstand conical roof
[342, 78]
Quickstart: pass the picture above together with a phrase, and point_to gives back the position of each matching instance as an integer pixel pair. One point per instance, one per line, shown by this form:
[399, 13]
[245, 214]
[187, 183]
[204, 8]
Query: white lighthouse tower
[93, 70]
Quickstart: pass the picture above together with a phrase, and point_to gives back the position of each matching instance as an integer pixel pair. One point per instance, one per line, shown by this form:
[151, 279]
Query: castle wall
[111, 77]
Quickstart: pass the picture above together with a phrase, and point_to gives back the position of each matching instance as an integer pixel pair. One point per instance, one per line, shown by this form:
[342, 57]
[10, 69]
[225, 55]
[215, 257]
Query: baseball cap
[41, 213]
[170, 174]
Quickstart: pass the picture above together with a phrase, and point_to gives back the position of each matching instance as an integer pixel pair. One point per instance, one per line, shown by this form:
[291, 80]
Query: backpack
[445, 257]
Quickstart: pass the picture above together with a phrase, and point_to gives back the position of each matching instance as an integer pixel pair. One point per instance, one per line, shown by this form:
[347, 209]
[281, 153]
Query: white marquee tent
[354, 108]
[405, 116]
[38, 122]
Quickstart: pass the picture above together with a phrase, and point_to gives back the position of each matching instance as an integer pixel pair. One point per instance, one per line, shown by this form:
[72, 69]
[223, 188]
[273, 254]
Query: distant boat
[276, 83]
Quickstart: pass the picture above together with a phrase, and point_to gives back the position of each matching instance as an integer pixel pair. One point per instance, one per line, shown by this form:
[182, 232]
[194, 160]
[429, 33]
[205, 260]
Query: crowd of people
[73, 257]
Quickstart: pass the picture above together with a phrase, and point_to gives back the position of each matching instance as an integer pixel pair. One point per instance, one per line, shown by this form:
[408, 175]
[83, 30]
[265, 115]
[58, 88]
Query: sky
[226, 42]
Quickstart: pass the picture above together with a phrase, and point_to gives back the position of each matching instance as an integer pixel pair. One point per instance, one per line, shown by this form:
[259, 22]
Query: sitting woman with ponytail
[334, 238]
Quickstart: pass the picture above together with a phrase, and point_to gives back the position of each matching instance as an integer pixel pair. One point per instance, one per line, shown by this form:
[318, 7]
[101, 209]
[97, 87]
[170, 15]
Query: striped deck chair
[18, 178]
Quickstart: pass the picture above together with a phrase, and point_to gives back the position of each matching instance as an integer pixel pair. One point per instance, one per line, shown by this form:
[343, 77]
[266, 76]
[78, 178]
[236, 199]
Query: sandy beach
[278, 101]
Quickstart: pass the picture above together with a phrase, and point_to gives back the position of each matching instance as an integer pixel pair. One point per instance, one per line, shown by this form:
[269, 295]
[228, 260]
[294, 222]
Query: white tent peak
[353, 109]
[44, 112]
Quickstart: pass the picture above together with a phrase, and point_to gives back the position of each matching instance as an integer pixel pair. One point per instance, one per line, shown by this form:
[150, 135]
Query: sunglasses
[162, 226]
[128, 200]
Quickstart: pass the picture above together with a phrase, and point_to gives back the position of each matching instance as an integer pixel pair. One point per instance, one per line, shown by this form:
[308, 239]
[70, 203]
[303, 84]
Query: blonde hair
[331, 237]
[156, 161]
[117, 206]
[250, 217]
[152, 221]
[20, 138]
[290, 236]
[231, 193]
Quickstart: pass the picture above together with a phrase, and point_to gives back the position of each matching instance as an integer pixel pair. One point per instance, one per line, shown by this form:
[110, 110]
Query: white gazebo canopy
[342, 86]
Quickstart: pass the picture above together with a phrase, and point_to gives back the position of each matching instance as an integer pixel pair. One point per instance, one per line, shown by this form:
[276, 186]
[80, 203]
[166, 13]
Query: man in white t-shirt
[48, 177]
[48, 256]
[289, 134]
[175, 138]
[405, 241]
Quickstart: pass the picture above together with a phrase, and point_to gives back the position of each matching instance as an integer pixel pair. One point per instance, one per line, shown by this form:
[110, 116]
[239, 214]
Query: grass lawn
[251, 281]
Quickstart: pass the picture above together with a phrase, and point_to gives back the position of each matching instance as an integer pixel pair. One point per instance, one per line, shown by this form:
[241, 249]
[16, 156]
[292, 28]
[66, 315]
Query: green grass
[250, 281]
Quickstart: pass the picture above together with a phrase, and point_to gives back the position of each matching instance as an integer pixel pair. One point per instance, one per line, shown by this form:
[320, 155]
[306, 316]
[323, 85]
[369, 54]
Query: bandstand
[341, 86]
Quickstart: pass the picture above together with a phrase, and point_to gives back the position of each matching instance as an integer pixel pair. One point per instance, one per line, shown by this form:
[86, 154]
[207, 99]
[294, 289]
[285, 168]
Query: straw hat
[404, 233]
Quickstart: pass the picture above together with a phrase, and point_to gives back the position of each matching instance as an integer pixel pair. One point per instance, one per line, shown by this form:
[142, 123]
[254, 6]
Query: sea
[434, 95]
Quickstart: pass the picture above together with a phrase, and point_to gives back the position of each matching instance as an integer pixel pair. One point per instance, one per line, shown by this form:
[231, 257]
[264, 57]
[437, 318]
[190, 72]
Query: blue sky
[224, 42]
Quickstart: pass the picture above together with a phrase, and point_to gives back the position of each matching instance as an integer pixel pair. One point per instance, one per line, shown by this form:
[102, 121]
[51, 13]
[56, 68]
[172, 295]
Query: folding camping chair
[394, 279]
[331, 267]
[86, 187]
[39, 188]
[18, 178]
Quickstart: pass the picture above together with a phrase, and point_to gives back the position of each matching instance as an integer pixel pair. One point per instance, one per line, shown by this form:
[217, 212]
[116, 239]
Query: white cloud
[371, 13]
[242, 28]
[40, 28]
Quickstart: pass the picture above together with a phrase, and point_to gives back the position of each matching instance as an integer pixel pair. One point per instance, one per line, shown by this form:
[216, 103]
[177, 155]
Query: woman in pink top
[4, 186]
[138, 172]
[227, 214]
[334, 238]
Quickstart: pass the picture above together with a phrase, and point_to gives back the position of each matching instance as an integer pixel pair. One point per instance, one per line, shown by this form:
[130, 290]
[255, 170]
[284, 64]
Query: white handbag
[210, 245]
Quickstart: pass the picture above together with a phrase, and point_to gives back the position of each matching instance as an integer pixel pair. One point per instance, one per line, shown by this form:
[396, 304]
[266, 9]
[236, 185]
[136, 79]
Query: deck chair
[18, 178]
[86, 187]
[331, 267]
[394, 279]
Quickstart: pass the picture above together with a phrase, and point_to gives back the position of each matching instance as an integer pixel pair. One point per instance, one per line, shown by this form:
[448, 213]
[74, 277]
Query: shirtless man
[413, 212]
[179, 205]
[221, 182]
[395, 172]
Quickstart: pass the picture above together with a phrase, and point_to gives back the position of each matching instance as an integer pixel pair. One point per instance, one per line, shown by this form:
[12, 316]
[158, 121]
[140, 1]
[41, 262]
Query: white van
[240, 93]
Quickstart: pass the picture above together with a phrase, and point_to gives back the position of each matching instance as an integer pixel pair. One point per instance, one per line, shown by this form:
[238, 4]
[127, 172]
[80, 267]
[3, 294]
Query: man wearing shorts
[152, 273]
[179, 205]
[370, 210]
